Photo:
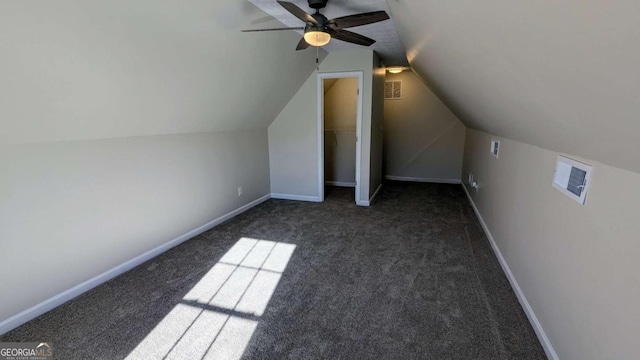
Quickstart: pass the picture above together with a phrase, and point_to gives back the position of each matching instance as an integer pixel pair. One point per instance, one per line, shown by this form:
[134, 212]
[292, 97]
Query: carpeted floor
[412, 276]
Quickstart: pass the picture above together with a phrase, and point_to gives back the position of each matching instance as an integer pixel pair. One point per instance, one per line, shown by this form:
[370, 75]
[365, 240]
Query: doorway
[340, 127]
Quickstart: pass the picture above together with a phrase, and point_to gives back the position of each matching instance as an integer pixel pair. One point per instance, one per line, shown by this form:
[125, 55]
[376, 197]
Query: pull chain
[317, 56]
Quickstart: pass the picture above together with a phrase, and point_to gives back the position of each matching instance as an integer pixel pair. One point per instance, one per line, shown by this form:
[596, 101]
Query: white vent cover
[495, 147]
[393, 89]
[572, 178]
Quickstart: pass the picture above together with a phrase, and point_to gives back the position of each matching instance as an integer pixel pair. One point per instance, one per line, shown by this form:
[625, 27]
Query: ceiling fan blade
[297, 12]
[351, 37]
[274, 29]
[358, 19]
[302, 45]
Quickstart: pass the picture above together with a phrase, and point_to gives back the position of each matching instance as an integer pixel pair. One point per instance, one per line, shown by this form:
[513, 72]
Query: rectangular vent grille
[572, 178]
[393, 89]
[495, 147]
[577, 181]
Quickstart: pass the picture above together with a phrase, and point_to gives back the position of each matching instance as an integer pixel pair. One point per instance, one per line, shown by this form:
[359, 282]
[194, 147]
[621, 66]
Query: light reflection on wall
[218, 316]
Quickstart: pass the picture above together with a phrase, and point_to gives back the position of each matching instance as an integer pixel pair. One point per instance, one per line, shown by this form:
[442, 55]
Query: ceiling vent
[572, 178]
[393, 90]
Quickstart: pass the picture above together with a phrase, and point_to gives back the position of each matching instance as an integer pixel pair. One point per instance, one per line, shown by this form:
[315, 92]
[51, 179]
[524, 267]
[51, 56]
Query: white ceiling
[560, 75]
[387, 45]
[77, 70]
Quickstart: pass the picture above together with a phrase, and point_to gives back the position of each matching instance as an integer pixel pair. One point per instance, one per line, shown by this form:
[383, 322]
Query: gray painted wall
[576, 265]
[293, 144]
[423, 139]
[73, 210]
[341, 104]
[293, 135]
[340, 157]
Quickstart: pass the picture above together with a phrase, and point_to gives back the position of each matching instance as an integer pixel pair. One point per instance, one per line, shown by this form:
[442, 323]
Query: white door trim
[336, 75]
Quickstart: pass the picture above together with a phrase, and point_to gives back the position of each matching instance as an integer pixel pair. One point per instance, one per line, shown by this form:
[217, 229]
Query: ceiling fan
[318, 30]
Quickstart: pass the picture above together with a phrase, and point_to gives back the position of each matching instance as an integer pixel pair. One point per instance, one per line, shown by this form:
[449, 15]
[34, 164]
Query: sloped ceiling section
[73, 69]
[560, 75]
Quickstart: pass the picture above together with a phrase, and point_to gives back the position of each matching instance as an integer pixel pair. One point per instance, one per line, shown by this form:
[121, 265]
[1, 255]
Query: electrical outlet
[472, 182]
[475, 185]
[239, 190]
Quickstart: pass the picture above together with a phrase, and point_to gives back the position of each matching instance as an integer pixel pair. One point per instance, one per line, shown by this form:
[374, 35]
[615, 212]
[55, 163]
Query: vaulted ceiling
[78, 70]
[562, 75]
[556, 74]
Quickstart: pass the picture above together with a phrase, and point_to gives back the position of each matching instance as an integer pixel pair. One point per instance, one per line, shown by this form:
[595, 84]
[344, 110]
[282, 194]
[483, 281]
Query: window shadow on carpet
[218, 316]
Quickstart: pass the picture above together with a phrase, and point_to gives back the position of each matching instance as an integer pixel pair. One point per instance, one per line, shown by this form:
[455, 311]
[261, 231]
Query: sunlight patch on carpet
[218, 316]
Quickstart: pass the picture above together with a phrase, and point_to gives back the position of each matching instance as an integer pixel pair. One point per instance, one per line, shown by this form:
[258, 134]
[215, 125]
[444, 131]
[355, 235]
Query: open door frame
[337, 75]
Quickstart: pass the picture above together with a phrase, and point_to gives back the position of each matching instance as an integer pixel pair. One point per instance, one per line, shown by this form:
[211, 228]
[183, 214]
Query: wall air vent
[392, 90]
[495, 147]
[572, 178]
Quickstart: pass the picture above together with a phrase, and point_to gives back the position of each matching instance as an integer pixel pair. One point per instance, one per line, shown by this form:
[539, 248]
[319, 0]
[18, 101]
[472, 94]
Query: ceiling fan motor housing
[321, 19]
[317, 4]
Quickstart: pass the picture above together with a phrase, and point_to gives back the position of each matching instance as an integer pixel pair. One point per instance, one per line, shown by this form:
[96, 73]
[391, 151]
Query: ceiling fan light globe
[317, 38]
[395, 69]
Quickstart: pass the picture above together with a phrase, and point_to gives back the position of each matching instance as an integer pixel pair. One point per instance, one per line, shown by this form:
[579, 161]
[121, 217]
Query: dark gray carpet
[413, 276]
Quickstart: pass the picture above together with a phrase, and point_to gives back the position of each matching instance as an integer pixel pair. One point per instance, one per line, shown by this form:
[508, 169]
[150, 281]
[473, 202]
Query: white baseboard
[57, 300]
[370, 201]
[426, 180]
[533, 319]
[295, 197]
[340, 183]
